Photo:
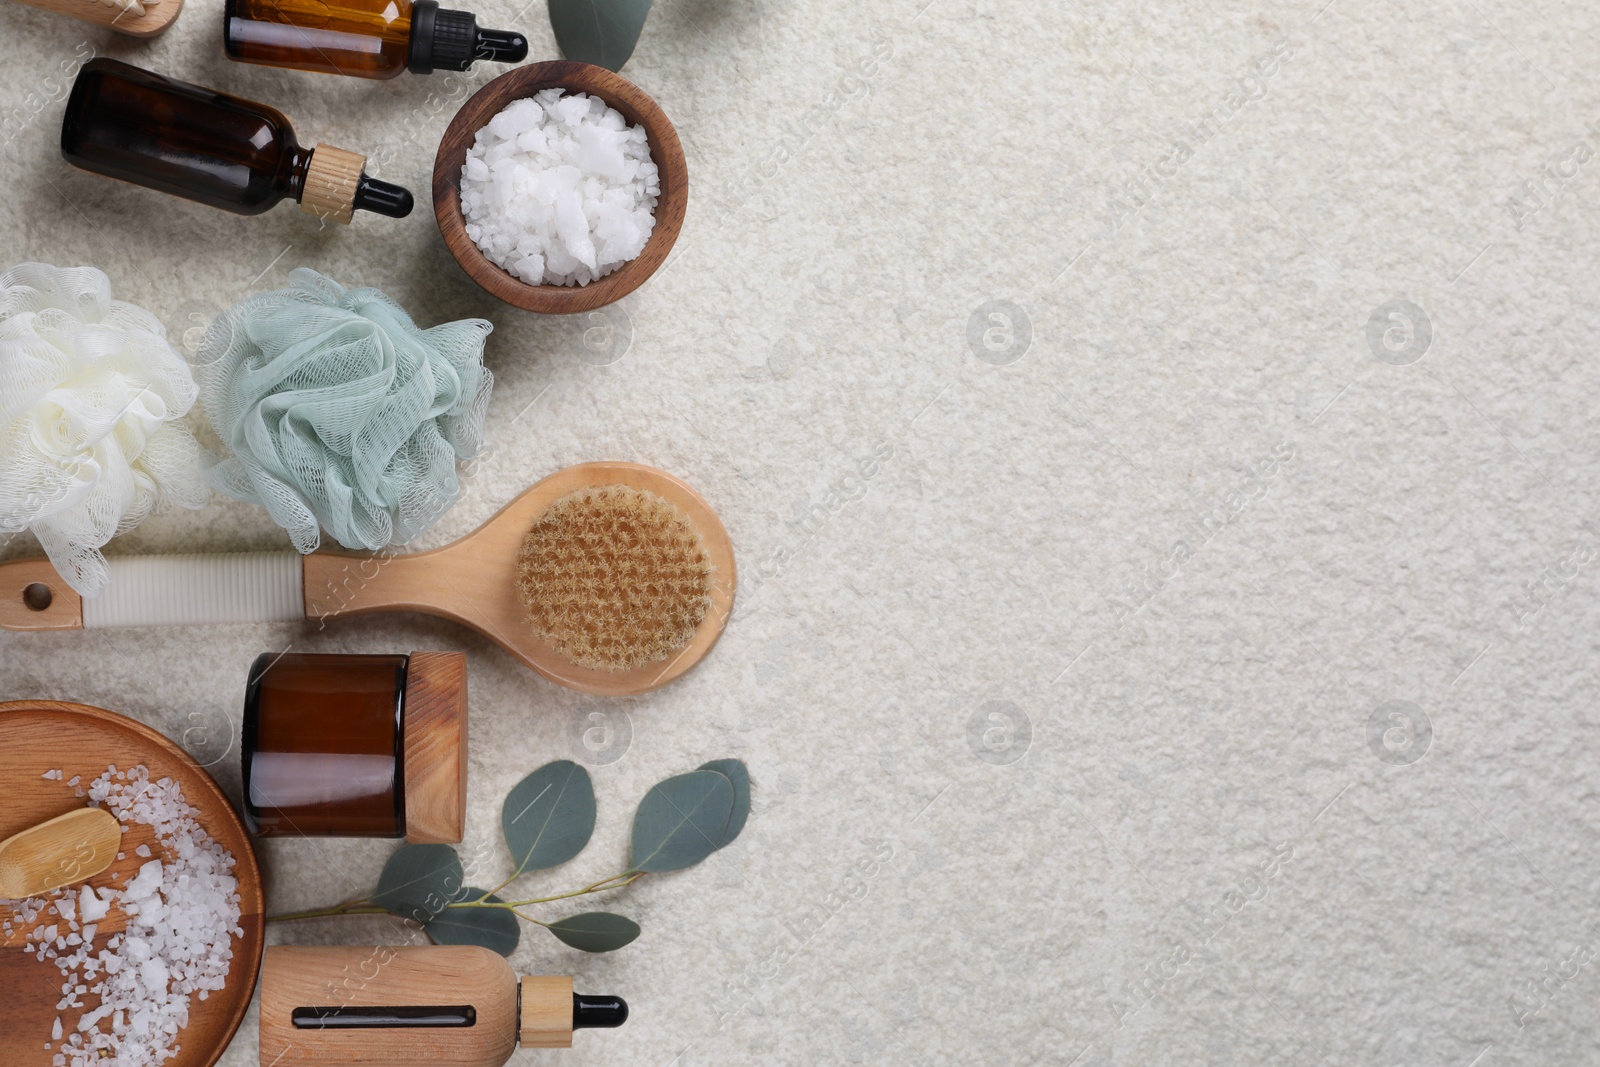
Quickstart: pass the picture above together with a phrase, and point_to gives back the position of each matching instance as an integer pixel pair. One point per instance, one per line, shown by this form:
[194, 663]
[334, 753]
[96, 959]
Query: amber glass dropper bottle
[362, 38]
[203, 145]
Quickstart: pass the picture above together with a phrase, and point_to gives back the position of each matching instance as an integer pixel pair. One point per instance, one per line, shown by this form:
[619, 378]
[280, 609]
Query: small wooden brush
[614, 577]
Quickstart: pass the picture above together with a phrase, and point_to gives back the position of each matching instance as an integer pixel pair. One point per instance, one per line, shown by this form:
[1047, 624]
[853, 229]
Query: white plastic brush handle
[199, 590]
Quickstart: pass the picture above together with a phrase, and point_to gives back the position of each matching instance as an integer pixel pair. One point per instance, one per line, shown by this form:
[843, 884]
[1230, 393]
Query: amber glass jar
[356, 746]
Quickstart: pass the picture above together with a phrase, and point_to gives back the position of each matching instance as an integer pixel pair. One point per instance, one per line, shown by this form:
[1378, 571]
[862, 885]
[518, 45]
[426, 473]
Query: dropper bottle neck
[548, 1011]
[444, 39]
[335, 184]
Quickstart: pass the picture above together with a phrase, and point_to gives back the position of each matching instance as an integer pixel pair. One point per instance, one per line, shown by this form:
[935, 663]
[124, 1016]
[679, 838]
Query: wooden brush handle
[141, 21]
[341, 583]
[202, 589]
[177, 590]
[33, 597]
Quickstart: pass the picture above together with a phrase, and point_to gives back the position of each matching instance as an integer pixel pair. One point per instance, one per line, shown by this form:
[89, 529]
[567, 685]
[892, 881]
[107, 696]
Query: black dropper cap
[597, 1012]
[383, 198]
[442, 39]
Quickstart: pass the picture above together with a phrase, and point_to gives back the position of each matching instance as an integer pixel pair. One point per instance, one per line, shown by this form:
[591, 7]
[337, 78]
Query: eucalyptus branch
[548, 818]
[349, 907]
[364, 905]
[626, 878]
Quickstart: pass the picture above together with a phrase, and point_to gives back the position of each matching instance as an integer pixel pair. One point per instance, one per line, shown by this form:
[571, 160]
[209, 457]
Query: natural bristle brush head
[614, 577]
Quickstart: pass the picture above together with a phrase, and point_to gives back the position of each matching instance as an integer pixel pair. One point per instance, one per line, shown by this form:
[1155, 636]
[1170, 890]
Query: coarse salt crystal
[182, 913]
[557, 189]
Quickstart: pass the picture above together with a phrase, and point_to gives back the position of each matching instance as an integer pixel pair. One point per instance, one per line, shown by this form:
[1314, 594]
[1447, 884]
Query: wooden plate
[44, 735]
[637, 108]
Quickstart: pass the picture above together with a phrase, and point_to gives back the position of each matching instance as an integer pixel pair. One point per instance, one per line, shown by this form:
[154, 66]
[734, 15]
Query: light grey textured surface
[1069, 721]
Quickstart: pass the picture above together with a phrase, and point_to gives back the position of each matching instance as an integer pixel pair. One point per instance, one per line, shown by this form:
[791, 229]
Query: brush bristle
[614, 577]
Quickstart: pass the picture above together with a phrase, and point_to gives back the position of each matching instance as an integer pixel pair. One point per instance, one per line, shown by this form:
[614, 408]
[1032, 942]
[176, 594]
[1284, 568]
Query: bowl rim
[618, 92]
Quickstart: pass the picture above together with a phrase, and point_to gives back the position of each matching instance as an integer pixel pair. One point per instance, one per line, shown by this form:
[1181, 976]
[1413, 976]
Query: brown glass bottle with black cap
[202, 145]
[362, 38]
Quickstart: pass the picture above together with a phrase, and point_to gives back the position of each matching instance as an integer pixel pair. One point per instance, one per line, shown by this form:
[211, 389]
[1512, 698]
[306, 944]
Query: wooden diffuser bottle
[381, 1006]
[356, 746]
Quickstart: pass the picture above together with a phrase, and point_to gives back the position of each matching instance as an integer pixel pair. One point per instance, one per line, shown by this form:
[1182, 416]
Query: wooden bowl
[637, 108]
[42, 735]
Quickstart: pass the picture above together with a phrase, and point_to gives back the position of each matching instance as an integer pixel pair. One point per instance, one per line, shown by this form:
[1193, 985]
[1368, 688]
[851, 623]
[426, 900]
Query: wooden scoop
[471, 581]
[69, 848]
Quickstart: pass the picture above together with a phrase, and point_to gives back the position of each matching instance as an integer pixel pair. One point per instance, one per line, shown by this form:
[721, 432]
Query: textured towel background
[1140, 657]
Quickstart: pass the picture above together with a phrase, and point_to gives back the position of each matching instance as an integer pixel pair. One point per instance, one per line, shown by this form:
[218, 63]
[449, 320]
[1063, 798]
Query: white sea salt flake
[92, 907]
[558, 189]
[146, 883]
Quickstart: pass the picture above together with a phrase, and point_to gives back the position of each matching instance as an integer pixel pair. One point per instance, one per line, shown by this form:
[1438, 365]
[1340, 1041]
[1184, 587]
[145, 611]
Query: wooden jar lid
[435, 727]
[332, 176]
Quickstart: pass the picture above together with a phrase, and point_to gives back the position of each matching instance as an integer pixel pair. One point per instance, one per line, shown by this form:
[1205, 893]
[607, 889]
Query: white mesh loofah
[89, 394]
[339, 411]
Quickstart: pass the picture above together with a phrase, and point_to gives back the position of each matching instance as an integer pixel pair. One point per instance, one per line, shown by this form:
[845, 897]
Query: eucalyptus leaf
[549, 816]
[739, 775]
[681, 821]
[595, 931]
[493, 928]
[602, 32]
[418, 881]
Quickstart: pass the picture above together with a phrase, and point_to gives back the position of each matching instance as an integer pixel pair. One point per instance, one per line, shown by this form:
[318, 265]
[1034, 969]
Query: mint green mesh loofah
[339, 411]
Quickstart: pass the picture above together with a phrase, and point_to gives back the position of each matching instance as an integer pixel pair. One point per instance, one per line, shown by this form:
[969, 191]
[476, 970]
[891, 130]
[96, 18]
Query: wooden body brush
[136, 18]
[611, 578]
[450, 1005]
